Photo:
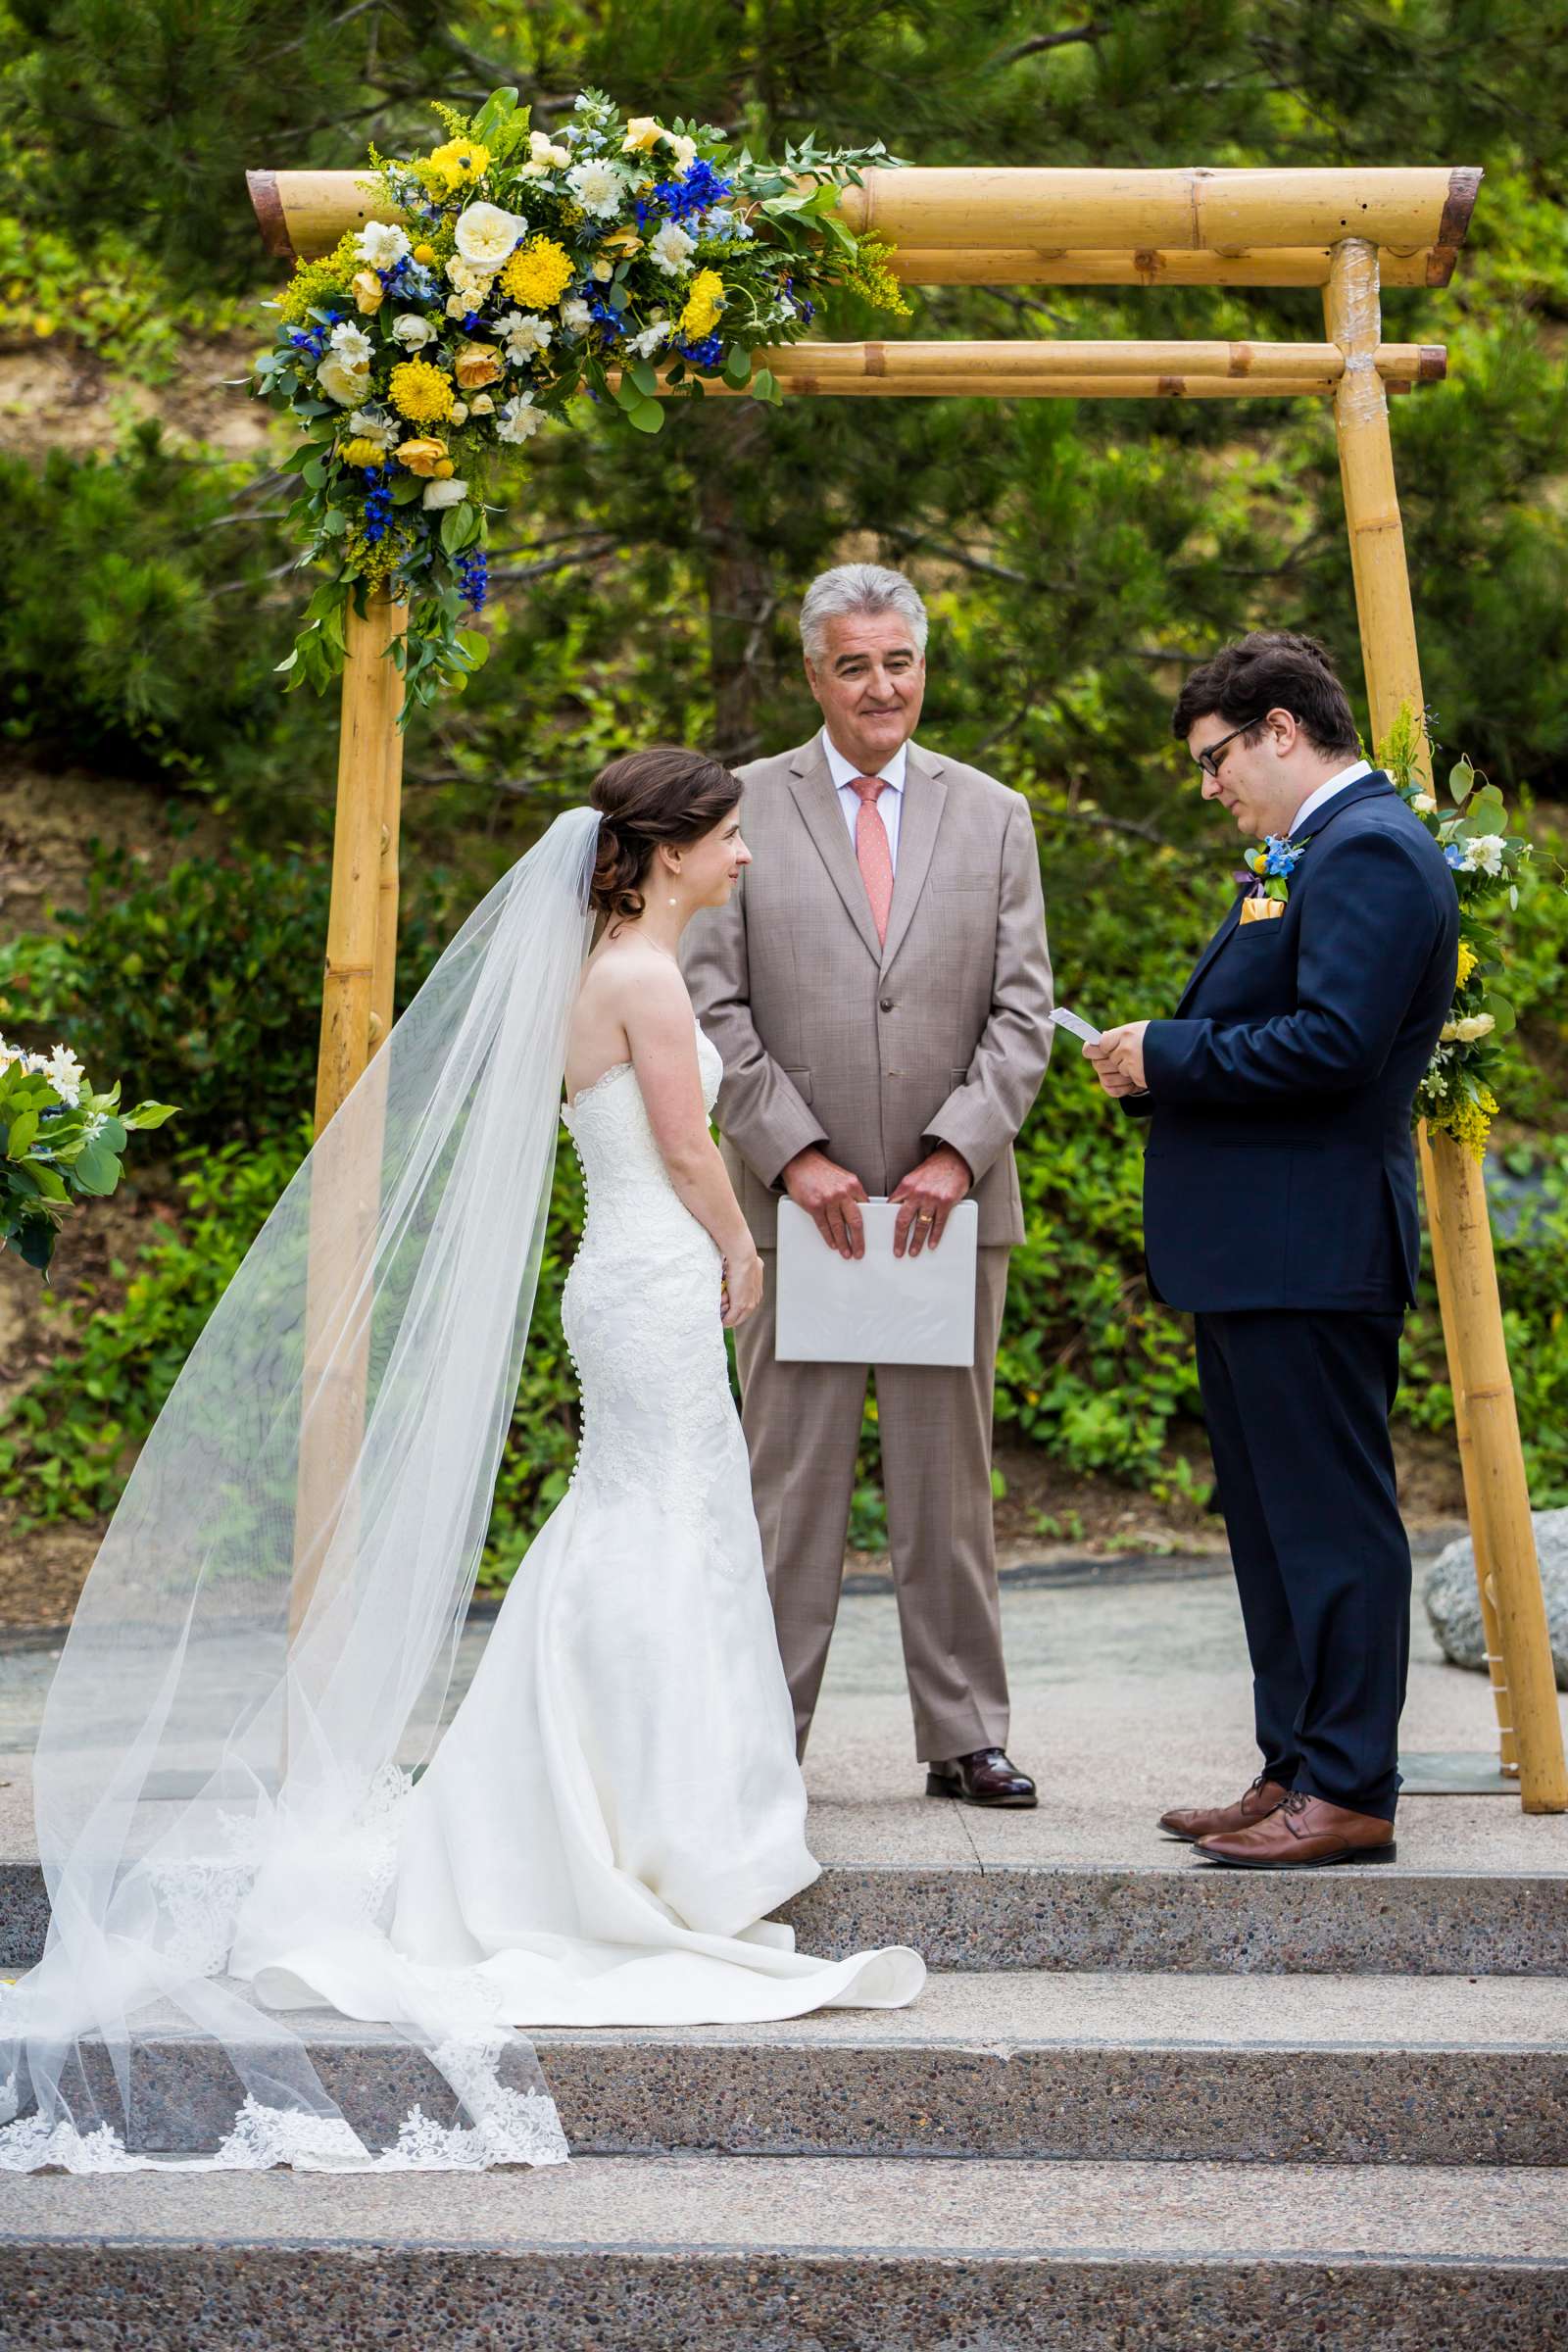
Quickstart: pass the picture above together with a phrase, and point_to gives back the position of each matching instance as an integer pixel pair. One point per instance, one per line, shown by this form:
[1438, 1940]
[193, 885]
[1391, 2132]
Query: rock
[1455, 1607]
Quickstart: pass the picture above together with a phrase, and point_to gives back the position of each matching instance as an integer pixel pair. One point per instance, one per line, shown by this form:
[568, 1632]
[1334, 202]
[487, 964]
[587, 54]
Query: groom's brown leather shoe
[985, 1778]
[1304, 1834]
[1191, 1822]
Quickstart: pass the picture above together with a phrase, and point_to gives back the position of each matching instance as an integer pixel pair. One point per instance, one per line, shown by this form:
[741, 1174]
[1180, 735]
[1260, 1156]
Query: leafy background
[165, 812]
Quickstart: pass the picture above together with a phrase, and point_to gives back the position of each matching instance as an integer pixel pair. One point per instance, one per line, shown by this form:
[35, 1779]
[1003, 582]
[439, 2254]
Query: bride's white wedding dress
[617, 1806]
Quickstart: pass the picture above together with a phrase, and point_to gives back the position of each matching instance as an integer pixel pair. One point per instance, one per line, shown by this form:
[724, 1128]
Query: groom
[881, 991]
[1280, 1208]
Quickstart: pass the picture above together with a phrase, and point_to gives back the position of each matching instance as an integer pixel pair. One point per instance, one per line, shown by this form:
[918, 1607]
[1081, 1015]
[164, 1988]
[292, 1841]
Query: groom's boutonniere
[1271, 867]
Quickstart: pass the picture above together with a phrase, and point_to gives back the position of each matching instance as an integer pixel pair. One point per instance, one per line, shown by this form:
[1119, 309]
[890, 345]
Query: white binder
[876, 1310]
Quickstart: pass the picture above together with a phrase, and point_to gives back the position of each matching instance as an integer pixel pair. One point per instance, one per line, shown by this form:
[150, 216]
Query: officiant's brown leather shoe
[1304, 1834]
[1191, 1822]
[985, 1778]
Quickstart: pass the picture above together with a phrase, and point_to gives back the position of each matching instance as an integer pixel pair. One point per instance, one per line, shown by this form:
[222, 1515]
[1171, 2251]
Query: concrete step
[1336, 2070]
[730, 2254]
[1177, 1915]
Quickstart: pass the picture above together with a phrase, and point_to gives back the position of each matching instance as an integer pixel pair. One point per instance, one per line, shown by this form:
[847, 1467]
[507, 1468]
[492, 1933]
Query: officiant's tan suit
[876, 1053]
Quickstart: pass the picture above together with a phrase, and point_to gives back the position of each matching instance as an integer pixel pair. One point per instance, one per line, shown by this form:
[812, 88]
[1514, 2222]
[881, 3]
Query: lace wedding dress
[616, 1807]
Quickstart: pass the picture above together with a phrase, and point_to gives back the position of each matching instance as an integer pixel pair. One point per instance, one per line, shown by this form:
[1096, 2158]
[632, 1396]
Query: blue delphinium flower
[1453, 855]
[473, 577]
[703, 354]
[377, 503]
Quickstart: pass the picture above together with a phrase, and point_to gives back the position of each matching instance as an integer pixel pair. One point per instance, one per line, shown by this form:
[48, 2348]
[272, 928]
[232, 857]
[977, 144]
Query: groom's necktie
[871, 850]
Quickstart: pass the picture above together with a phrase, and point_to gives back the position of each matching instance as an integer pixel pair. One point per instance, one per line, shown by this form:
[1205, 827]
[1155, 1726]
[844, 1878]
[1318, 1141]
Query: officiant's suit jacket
[1280, 1170]
[877, 1053]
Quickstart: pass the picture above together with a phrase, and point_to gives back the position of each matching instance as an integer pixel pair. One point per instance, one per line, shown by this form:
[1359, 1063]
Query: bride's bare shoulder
[625, 975]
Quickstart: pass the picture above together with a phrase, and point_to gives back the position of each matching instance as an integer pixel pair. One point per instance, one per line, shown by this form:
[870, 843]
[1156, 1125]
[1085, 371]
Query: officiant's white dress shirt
[1325, 792]
[889, 803]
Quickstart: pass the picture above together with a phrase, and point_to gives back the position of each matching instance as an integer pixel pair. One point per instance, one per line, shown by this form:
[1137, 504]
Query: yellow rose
[421, 456]
[368, 290]
[477, 364]
[642, 133]
[604, 272]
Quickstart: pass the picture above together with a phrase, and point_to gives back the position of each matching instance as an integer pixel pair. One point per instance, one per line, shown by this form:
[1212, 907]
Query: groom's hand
[1117, 1058]
[927, 1197]
[831, 1196]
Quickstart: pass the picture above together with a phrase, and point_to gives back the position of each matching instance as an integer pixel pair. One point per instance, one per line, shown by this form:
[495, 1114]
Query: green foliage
[109, 300]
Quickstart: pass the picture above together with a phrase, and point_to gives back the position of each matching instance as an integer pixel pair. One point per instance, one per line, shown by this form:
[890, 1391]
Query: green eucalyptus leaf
[646, 378]
[647, 416]
[1462, 776]
[96, 1171]
[477, 645]
[738, 365]
[1502, 1012]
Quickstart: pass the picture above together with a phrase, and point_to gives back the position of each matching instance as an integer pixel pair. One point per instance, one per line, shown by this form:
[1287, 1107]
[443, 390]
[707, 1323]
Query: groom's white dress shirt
[1325, 792]
[889, 803]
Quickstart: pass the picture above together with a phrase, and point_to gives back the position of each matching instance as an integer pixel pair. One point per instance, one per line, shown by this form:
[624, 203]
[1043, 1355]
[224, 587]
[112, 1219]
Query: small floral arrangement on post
[605, 259]
[59, 1139]
[1458, 1095]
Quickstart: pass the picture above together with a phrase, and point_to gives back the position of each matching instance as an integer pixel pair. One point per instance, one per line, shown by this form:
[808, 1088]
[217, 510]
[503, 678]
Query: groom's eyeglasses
[1208, 758]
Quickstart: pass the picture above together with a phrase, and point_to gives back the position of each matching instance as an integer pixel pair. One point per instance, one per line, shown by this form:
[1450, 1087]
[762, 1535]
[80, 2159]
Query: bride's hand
[743, 1287]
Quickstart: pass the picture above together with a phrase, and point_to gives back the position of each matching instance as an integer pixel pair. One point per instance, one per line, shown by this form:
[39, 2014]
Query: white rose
[467, 279]
[486, 235]
[1474, 1025]
[460, 412]
[598, 187]
[413, 332]
[458, 306]
[351, 343]
[685, 150]
[1422, 803]
[544, 150]
[340, 383]
[519, 420]
[575, 315]
[482, 405]
[382, 245]
[1482, 854]
[523, 334]
[444, 494]
[671, 250]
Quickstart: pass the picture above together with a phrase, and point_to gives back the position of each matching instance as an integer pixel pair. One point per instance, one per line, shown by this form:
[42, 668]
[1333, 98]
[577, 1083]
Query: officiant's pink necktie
[872, 851]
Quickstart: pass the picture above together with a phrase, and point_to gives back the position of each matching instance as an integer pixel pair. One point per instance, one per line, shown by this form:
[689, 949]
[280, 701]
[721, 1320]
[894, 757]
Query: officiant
[879, 988]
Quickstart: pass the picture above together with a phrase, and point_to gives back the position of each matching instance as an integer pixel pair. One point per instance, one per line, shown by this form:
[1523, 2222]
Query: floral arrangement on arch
[1456, 1095]
[61, 1139]
[526, 271]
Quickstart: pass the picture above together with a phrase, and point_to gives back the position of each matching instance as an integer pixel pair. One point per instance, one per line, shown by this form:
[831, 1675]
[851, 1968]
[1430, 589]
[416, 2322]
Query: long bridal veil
[264, 1645]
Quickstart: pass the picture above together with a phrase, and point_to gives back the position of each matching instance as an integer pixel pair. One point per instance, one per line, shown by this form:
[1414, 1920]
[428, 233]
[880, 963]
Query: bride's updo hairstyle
[662, 794]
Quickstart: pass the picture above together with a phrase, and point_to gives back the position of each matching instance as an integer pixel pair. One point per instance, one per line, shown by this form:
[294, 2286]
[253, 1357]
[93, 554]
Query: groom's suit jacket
[1280, 1171]
[877, 1051]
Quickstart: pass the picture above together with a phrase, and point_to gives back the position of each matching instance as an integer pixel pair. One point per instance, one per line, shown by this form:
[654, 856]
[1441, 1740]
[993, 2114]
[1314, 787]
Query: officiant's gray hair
[858, 588]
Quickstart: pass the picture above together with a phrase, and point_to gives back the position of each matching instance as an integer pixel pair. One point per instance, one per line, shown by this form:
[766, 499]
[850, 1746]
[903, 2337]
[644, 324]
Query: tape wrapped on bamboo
[1056, 265]
[1422, 213]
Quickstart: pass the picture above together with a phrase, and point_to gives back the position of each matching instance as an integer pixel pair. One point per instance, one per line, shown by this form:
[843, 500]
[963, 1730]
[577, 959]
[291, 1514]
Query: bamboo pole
[1421, 213]
[1057, 266]
[1034, 387]
[1075, 370]
[1486, 1584]
[1496, 1492]
[362, 925]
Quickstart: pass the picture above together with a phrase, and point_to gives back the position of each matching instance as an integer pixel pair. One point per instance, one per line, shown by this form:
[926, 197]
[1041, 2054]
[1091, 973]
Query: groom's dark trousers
[1280, 1208]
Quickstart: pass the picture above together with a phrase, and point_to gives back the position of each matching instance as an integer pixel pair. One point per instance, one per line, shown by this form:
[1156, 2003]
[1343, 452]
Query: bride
[246, 1806]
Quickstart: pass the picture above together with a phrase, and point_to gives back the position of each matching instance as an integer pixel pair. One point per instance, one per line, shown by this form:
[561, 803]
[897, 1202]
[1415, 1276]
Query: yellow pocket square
[1262, 910]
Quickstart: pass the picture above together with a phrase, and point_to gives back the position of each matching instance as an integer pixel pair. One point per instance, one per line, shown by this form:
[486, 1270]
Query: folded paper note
[876, 1310]
[1075, 1027]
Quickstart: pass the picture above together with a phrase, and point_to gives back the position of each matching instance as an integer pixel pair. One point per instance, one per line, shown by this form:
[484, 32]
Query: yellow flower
[420, 457]
[1468, 959]
[538, 273]
[444, 470]
[368, 291]
[642, 133]
[477, 364]
[421, 392]
[361, 451]
[457, 164]
[424, 255]
[1470, 1122]
[313, 283]
[704, 303]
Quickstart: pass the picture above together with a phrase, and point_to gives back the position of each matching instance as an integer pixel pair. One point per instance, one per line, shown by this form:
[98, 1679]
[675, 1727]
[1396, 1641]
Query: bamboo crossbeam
[1057, 387]
[1079, 370]
[1236, 218]
[1057, 265]
[1414, 208]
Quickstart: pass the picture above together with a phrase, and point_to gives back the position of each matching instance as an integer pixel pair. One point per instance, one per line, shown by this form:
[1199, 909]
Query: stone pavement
[1143, 2104]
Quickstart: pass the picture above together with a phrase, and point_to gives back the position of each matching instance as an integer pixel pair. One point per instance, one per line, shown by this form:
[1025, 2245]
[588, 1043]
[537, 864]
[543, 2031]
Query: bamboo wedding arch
[1351, 232]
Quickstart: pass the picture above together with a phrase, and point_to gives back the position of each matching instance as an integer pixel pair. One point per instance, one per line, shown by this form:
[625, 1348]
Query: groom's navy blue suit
[1280, 1208]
